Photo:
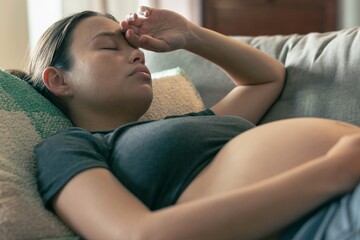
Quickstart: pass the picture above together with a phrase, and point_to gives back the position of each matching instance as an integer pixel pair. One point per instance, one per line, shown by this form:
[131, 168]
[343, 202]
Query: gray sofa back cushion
[322, 74]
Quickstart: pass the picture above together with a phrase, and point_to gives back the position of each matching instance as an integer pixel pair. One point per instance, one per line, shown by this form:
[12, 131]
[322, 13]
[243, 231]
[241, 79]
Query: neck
[94, 126]
[101, 122]
[105, 118]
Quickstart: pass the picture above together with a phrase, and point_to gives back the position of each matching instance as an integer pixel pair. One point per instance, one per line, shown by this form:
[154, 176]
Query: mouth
[141, 71]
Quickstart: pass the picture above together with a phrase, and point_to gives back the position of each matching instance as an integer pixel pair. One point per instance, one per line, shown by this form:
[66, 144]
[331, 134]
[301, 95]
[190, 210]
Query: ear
[54, 81]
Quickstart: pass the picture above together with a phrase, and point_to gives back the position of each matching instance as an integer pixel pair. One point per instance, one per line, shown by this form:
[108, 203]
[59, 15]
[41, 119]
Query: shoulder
[65, 154]
[72, 139]
[70, 134]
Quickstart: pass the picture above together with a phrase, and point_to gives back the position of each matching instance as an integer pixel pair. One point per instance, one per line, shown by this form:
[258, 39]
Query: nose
[137, 56]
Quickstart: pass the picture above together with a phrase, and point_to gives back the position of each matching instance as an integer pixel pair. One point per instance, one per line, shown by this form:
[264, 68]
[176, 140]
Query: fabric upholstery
[322, 74]
[26, 118]
[174, 94]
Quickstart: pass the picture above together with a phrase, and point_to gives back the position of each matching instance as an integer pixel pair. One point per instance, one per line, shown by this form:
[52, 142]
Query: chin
[145, 103]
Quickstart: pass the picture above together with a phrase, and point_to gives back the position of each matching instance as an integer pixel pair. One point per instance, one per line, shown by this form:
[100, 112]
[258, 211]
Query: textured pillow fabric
[26, 117]
[323, 74]
[174, 94]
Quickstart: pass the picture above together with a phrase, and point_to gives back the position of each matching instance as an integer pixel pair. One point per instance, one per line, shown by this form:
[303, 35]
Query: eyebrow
[106, 34]
[103, 34]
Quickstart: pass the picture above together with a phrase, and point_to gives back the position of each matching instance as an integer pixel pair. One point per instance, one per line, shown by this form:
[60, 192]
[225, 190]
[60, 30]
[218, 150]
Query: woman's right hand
[157, 30]
[346, 153]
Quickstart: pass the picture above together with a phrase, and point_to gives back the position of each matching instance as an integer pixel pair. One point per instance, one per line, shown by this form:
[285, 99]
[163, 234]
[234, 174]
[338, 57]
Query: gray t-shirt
[155, 160]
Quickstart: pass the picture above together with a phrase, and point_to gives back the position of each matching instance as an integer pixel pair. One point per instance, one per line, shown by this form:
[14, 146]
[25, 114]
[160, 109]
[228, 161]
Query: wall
[41, 13]
[44, 12]
[191, 9]
[14, 34]
[348, 13]
[118, 8]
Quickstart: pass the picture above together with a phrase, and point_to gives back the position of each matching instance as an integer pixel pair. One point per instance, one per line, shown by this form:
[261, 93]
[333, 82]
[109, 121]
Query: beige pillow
[174, 94]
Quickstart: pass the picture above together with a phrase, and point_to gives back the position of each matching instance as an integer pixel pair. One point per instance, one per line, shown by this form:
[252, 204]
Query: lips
[141, 70]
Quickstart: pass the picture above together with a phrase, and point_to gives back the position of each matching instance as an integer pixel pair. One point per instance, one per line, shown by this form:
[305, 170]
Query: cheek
[99, 82]
[99, 74]
[106, 69]
[82, 80]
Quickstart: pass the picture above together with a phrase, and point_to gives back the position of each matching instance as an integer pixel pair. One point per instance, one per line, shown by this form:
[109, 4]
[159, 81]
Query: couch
[322, 80]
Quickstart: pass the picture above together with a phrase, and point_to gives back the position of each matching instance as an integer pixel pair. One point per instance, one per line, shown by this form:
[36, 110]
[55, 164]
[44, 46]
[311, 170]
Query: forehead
[88, 28]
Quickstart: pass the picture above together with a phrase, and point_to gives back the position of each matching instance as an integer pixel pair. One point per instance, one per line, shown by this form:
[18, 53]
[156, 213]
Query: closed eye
[113, 49]
[109, 48]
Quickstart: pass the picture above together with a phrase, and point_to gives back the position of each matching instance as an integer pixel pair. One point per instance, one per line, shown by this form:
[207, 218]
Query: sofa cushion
[26, 118]
[321, 74]
[174, 94]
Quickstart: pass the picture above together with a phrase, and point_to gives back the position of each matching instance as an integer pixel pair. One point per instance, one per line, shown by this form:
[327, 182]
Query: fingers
[136, 27]
[146, 42]
[150, 43]
[135, 19]
[124, 26]
[131, 21]
[131, 17]
[132, 38]
[144, 11]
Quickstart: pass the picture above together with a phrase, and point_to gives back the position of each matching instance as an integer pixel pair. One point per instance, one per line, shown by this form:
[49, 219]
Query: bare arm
[258, 77]
[97, 206]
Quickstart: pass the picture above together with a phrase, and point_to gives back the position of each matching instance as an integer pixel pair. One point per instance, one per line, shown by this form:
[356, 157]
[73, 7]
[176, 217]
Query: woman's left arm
[258, 77]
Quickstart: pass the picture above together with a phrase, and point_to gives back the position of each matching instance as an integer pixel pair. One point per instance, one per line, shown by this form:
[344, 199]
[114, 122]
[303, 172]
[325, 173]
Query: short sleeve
[64, 155]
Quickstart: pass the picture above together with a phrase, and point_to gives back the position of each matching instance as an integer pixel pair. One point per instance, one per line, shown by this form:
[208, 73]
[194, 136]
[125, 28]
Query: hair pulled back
[53, 50]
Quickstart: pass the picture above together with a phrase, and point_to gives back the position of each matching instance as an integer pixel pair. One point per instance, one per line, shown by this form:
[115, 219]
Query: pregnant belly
[265, 151]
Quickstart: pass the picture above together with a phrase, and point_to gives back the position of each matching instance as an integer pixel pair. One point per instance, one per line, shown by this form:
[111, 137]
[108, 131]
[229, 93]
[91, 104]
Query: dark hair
[53, 49]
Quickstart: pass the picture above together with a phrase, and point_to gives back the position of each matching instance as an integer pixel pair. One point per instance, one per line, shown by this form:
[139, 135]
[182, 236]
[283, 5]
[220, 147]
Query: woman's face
[108, 74]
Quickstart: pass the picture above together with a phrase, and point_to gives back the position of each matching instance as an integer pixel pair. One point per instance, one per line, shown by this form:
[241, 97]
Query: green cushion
[18, 96]
[25, 119]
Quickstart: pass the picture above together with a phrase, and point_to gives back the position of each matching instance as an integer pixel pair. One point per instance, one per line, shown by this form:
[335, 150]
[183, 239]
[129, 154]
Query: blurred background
[23, 21]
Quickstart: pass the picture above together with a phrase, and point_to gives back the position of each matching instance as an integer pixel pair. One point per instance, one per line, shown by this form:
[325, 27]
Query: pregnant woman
[207, 175]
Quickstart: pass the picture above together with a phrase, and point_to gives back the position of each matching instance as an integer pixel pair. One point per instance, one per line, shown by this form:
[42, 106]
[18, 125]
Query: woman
[207, 175]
